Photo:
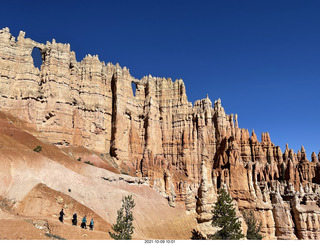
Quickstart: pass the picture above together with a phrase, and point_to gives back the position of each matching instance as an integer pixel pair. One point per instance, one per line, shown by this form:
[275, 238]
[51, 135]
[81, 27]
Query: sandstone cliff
[186, 151]
[34, 186]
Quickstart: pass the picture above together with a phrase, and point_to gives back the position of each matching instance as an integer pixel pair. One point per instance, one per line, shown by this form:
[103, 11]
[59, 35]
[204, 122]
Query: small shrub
[54, 236]
[88, 162]
[38, 149]
[74, 101]
[79, 159]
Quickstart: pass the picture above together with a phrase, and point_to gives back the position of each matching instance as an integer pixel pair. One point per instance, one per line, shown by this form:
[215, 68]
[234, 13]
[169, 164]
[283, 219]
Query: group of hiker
[75, 220]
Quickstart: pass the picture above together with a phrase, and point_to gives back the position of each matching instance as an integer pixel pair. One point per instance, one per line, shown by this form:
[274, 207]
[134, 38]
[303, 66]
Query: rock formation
[187, 152]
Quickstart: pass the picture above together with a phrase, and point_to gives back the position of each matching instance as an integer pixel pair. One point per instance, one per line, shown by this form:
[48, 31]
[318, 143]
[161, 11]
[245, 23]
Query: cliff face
[188, 152]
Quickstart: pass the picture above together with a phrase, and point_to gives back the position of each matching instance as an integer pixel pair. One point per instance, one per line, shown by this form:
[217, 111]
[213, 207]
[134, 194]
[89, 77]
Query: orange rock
[184, 152]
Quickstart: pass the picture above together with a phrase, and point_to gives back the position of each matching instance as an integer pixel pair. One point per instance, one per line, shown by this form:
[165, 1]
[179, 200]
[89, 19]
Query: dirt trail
[35, 186]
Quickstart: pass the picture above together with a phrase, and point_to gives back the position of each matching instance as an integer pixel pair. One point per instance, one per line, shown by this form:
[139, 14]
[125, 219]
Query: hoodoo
[185, 152]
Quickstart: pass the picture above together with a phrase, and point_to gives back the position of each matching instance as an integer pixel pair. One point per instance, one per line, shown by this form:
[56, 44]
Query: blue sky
[260, 57]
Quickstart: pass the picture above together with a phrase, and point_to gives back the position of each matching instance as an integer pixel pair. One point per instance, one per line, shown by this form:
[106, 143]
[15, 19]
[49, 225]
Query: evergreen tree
[224, 216]
[196, 235]
[253, 226]
[124, 228]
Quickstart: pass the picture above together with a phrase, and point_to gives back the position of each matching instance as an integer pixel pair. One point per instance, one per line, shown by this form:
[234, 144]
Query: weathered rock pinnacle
[187, 152]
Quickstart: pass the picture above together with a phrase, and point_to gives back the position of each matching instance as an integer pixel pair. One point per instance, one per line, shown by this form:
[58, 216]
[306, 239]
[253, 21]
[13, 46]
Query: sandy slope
[35, 186]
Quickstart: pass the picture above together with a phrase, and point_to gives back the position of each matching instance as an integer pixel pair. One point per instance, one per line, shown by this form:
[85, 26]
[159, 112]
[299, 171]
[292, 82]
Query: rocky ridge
[185, 152]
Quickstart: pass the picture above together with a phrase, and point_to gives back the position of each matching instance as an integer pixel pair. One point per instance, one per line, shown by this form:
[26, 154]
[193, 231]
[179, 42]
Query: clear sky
[260, 57]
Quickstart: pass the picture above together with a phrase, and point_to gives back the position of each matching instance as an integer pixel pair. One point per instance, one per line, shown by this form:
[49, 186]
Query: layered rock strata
[186, 151]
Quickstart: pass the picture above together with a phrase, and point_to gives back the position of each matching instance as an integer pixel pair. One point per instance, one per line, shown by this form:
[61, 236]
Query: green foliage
[123, 172]
[38, 149]
[224, 216]
[79, 159]
[74, 101]
[124, 228]
[88, 162]
[253, 226]
[196, 235]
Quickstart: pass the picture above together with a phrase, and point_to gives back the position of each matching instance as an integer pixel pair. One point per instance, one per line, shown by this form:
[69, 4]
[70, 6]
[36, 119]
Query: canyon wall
[187, 151]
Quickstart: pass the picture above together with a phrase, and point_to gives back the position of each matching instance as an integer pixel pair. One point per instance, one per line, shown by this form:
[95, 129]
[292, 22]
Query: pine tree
[253, 226]
[224, 216]
[196, 235]
[124, 228]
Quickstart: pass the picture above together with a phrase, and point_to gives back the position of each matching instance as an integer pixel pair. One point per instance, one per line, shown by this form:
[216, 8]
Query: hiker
[91, 224]
[61, 215]
[74, 219]
[84, 221]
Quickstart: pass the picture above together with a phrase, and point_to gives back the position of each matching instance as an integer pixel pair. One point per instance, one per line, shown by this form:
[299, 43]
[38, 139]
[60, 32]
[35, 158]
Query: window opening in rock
[37, 59]
[219, 182]
[134, 88]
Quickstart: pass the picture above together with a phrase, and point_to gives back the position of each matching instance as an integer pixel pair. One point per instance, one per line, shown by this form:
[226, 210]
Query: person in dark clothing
[84, 222]
[91, 224]
[61, 215]
[75, 219]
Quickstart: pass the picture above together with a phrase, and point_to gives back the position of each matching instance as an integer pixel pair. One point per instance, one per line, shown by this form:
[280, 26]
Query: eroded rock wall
[187, 152]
